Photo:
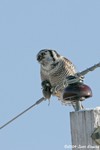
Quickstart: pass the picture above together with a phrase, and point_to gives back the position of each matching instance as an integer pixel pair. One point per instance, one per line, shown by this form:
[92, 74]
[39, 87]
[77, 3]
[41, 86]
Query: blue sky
[72, 27]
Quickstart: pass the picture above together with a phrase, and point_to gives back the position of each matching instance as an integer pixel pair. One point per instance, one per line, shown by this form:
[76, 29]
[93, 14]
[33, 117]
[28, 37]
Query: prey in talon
[46, 89]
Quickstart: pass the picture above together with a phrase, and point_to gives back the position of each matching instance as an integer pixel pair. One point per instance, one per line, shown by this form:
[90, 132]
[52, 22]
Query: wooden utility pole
[85, 129]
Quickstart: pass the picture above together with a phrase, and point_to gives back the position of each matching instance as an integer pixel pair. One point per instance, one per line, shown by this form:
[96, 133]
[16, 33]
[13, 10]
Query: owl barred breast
[54, 69]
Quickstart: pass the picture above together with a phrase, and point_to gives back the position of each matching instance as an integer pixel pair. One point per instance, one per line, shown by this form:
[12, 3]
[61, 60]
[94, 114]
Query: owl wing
[69, 66]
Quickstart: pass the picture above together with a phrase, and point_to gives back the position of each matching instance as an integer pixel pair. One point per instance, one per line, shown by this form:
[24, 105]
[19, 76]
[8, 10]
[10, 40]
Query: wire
[92, 68]
[36, 103]
[84, 72]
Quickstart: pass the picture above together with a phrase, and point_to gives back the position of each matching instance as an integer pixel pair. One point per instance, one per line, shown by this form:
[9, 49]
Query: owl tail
[78, 106]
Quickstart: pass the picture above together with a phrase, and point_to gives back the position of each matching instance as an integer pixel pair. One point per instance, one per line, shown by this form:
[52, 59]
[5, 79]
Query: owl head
[47, 56]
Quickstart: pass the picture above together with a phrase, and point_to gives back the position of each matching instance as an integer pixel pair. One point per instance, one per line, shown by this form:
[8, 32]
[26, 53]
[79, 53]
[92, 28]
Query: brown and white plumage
[54, 69]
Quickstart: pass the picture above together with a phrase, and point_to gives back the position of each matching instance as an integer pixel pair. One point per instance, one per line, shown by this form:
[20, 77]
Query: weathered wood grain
[83, 123]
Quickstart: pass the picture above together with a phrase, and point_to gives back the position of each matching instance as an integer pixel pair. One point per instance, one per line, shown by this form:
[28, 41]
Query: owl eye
[43, 54]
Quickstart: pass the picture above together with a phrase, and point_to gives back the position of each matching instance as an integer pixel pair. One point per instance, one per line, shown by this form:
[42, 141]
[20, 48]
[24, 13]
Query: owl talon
[53, 90]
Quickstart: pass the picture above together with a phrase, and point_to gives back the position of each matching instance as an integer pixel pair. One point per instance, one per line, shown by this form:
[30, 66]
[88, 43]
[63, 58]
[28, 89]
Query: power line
[36, 103]
[84, 72]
